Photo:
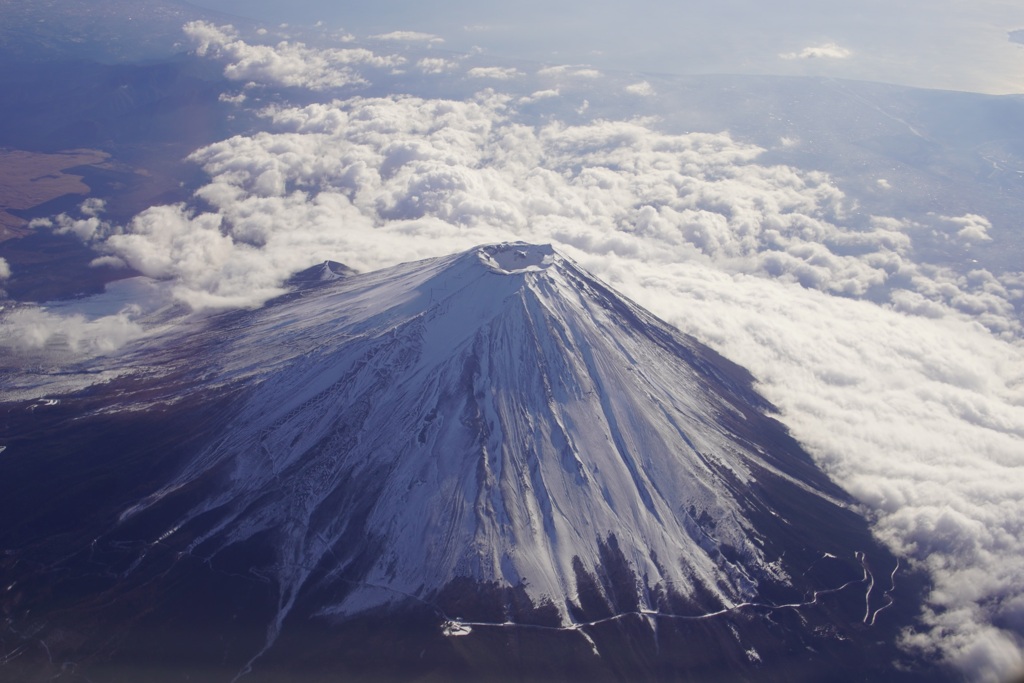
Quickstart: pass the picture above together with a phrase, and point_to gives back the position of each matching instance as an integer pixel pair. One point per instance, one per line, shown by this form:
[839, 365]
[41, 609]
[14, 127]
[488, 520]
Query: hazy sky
[946, 44]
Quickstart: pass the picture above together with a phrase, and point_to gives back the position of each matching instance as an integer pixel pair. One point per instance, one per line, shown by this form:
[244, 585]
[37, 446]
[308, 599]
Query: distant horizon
[921, 45]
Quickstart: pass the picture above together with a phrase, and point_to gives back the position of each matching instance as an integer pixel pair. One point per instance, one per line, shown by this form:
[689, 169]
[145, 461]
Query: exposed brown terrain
[28, 179]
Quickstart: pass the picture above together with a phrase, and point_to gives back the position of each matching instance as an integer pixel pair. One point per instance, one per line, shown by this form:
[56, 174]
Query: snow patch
[512, 258]
[456, 629]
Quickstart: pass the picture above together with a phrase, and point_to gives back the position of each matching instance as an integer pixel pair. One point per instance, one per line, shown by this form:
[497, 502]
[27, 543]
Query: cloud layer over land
[904, 378]
[287, 63]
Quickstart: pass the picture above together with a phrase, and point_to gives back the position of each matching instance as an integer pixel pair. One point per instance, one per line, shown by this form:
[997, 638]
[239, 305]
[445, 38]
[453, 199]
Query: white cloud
[642, 88]
[5, 269]
[409, 37]
[570, 71]
[93, 206]
[539, 95]
[85, 229]
[34, 330]
[238, 98]
[948, 44]
[823, 51]
[386, 160]
[971, 227]
[500, 73]
[108, 262]
[37, 338]
[436, 65]
[284, 64]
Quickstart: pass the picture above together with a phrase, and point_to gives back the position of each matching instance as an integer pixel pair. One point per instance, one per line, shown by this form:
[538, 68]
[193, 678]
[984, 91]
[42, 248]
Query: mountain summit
[499, 416]
[492, 445]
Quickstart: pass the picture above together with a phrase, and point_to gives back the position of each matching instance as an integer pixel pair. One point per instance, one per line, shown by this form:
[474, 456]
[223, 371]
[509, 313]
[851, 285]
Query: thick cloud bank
[287, 63]
[905, 379]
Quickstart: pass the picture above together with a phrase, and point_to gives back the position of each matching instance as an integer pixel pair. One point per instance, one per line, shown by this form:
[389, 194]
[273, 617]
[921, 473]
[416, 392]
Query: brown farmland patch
[28, 179]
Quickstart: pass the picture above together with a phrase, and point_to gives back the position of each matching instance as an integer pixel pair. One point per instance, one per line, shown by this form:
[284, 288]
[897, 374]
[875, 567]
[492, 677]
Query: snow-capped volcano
[500, 415]
[499, 438]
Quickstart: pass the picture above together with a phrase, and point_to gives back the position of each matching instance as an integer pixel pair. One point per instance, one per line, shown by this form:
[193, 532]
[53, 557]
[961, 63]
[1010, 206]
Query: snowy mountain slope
[501, 414]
